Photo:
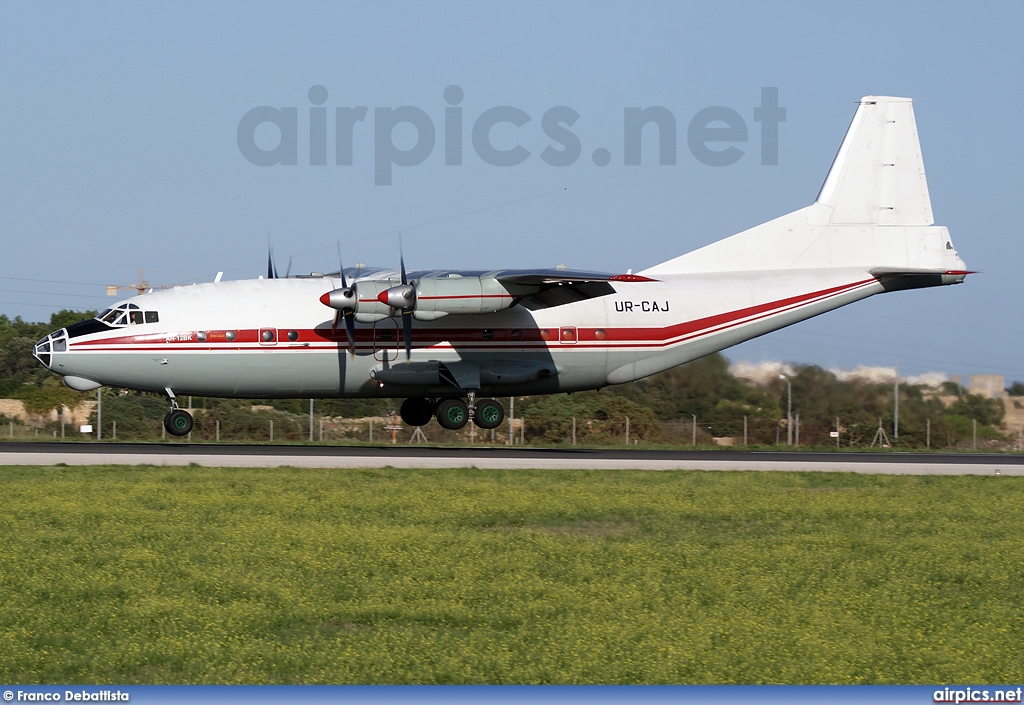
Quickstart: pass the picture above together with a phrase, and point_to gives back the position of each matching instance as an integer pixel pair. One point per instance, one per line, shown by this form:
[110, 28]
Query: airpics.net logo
[269, 136]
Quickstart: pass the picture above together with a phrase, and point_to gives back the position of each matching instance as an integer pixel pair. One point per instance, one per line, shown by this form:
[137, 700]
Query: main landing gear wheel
[416, 411]
[489, 414]
[178, 422]
[452, 414]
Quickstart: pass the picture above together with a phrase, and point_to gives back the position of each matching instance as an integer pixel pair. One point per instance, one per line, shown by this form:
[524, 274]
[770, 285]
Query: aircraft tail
[872, 212]
[878, 175]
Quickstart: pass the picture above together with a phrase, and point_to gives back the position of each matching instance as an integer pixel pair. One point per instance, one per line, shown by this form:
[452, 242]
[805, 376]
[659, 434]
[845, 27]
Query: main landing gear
[452, 413]
[178, 422]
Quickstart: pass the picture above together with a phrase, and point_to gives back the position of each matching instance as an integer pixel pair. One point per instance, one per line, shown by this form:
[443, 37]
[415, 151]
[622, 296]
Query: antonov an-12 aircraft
[447, 342]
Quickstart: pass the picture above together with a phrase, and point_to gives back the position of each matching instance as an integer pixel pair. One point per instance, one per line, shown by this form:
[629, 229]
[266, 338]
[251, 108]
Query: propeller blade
[407, 333]
[341, 268]
[271, 271]
[350, 330]
[288, 271]
[337, 320]
[401, 258]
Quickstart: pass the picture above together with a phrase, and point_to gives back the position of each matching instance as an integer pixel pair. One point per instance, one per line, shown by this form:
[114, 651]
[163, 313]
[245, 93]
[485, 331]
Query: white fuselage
[273, 338]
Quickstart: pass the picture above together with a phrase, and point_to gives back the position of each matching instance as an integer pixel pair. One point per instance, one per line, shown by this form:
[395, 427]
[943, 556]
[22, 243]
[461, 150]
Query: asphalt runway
[504, 458]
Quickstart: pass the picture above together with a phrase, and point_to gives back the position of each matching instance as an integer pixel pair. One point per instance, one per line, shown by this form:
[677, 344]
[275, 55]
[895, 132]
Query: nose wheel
[178, 422]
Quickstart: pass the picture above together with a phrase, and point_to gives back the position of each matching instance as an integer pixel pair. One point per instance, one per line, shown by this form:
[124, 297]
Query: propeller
[402, 298]
[408, 293]
[347, 313]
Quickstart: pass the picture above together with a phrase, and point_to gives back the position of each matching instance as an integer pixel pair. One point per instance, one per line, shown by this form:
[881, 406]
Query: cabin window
[152, 317]
[135, 318]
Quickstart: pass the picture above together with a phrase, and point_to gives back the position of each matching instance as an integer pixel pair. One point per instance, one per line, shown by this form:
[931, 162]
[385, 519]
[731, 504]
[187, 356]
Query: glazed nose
[55, 342]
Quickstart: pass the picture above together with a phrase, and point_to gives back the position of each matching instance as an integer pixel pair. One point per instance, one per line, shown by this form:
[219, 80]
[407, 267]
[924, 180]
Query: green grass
[194, 575]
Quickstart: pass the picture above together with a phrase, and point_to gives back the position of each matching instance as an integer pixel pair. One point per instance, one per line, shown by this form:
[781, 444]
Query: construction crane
[140, 287]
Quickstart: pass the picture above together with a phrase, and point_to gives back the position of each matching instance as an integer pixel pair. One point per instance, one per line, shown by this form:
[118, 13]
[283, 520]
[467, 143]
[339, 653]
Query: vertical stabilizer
[872, 213]
[878, 175]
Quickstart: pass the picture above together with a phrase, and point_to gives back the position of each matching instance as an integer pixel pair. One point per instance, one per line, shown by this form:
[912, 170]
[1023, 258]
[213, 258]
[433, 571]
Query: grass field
[195, 575]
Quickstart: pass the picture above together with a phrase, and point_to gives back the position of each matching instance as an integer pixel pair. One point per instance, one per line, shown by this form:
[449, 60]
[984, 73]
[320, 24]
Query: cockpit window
[128, 314]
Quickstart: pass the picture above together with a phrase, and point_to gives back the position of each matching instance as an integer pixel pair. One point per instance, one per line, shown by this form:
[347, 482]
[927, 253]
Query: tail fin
[873, 212]
[878, 175]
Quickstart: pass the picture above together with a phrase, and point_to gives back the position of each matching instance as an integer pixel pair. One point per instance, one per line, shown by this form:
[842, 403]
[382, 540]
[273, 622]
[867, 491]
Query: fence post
[694, 428]
[928, 433]
[99, 414]
[371, 430]
[744, 430]
[627, 430]
[511, 418]
[796, 426]
[321, 430]
[837, 432]
[217, 422]
[114, 434]
[974, 441]
[310, 420]
[574, 430]
[271, 430]
[11, 424]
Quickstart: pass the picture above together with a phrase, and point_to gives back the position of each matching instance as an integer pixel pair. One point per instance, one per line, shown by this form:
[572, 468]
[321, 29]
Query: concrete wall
[15, 409]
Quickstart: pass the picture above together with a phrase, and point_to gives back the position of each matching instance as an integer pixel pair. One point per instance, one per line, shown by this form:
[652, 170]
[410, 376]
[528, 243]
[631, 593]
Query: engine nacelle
[431, 298]
[441, 296]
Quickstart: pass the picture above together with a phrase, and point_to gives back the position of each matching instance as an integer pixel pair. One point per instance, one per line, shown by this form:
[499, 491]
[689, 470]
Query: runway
[504, 458]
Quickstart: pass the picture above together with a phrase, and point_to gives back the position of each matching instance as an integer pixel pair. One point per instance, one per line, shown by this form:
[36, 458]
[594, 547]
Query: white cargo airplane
[464, 336]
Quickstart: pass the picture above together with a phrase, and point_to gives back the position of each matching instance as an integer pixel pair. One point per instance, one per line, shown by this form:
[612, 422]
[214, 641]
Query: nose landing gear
[178, 422]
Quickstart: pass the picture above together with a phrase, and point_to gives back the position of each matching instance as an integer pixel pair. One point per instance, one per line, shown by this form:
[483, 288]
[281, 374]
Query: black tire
[178, 423]
[488, 414]
[416, 411]
[452, 414]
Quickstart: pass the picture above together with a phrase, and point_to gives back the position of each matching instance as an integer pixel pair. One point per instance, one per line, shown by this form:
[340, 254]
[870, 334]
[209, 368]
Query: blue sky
[119, 146]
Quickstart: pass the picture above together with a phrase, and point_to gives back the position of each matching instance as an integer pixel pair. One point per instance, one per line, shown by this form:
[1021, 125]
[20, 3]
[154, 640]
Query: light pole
[789, 410]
